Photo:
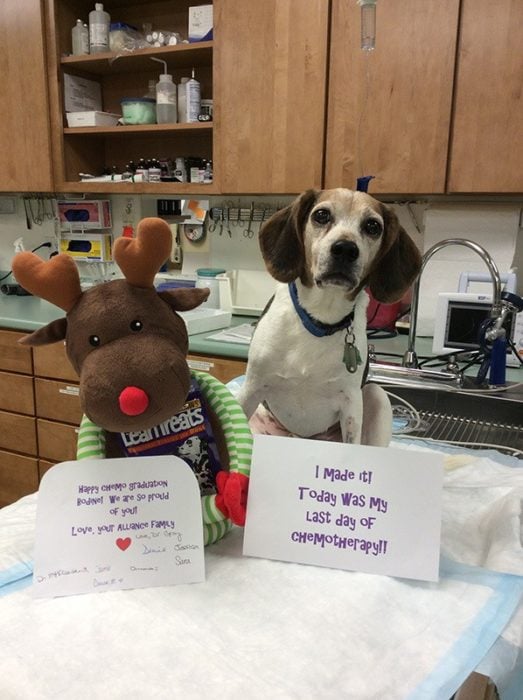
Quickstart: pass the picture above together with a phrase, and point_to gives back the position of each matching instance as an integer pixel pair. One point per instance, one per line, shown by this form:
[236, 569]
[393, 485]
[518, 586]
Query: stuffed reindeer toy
[129, 345]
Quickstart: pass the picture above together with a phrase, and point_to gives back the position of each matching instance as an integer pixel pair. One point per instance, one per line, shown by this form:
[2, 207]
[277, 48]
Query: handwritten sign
[117, 523]
[343, 506]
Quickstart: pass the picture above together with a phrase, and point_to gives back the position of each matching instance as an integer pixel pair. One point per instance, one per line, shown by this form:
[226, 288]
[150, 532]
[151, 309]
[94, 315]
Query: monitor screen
[463, 323]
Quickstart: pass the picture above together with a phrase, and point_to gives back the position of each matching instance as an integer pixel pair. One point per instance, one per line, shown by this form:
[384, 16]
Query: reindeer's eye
[136, 326]
[94, 340]
[372, 227]
[321, 216]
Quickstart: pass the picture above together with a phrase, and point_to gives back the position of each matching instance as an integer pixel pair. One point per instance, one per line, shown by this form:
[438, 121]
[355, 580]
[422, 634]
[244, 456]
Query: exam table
[258, 628]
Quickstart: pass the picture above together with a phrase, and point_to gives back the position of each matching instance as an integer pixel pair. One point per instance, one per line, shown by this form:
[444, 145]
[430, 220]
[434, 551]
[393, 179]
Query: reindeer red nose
[133, 401]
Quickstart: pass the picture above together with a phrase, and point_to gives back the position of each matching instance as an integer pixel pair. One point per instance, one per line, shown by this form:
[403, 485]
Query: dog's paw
[231, 498]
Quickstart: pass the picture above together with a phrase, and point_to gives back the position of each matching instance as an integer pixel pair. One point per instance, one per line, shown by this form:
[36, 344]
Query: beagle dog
[308, 356]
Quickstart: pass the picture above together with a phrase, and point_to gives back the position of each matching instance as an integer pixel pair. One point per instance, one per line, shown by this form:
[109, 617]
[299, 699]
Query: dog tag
[351, 357]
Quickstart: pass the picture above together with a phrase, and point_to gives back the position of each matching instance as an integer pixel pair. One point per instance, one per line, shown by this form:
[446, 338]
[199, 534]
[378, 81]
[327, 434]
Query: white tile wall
[238, 251]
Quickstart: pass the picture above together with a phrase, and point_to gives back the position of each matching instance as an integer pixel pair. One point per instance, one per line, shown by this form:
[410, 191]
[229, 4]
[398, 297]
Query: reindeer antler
[140, 258]
[55, 280]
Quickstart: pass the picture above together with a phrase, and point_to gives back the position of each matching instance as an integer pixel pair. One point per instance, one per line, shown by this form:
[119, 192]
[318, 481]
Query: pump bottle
[99, 22]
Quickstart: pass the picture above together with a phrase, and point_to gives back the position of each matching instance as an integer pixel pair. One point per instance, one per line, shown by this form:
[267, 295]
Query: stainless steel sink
[473, 420]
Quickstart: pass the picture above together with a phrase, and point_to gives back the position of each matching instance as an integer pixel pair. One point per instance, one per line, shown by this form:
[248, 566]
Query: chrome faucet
[410, 358]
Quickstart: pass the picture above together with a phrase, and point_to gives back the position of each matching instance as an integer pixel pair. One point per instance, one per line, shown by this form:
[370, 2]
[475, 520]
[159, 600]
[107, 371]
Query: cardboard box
[91, 247]
[92, 119]
[79, 215]
[81, 94]
[200, 23]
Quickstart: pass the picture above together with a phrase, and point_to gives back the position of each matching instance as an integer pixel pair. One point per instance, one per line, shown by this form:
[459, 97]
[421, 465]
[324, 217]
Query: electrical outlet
[7, 205]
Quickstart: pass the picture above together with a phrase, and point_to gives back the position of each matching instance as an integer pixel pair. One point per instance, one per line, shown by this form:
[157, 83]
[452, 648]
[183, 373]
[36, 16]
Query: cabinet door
[13, 356]
[269, 87]
[18, 433]
[24, 112]
[52, 361]
[389, 109]
[18, 477]
[219, 367]
[56, 441]
[487, 144]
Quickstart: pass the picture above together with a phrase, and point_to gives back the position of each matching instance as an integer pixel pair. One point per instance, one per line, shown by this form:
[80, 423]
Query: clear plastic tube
[368, 24]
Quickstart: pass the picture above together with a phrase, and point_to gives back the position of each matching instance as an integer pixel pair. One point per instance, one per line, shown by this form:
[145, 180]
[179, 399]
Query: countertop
[30, 313]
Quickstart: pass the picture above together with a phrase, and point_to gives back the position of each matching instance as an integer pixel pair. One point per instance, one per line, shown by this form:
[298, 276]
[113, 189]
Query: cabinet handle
[70, 391]
[200, 364]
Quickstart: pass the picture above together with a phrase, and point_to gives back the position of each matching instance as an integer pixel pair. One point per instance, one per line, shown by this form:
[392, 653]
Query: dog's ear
[281, 239]
[397, 264]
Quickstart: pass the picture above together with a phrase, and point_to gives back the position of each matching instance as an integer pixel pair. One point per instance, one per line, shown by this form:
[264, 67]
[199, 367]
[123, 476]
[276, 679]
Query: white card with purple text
[107, 524]
[370, 509]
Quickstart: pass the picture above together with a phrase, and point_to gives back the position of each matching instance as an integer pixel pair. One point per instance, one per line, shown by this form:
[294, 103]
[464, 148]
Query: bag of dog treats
[187, 434]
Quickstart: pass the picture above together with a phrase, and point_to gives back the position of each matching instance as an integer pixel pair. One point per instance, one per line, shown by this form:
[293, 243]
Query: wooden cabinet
[18, 477]
[389, 110]
[24, 137]
[220, 367]
[18, 446]
[436, 107]
[39, 413]
[270, 86]
[487, 144]
[91, 149]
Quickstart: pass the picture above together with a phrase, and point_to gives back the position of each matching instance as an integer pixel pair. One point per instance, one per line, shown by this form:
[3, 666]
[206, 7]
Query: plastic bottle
[180, 172]
[99, 22]
[191, 104]
[166, 100]
[182, 100]
[151, 94]
[80, 38]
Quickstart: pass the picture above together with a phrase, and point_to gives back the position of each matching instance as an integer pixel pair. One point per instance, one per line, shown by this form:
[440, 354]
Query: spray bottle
[166, 112]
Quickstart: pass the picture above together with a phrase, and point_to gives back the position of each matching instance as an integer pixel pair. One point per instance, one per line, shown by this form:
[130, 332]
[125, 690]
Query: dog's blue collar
[311, 324]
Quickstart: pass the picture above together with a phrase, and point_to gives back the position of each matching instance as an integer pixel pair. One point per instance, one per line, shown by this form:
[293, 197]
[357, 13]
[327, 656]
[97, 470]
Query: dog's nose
[346, 251]
[133, 401]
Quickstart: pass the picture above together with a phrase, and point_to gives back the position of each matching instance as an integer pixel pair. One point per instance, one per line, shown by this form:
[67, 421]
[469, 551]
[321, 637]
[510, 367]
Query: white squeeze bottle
[165, 98]
[99, 22]
[80, 38]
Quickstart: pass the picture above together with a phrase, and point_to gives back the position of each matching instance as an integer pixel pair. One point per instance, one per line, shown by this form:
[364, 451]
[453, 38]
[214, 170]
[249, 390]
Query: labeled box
[81, 94]
[82, 214]
[91, 247]
[200, 23]
[92, 118]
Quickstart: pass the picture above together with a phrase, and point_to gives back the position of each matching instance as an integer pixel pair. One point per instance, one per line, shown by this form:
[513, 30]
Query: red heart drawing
[123, 543]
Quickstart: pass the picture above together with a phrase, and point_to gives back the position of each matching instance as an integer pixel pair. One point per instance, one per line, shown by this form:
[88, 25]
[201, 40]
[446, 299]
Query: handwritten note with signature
[342, 506]
[117, 523]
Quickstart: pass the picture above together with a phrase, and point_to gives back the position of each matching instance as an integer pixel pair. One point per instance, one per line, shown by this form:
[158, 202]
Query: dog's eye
[136, 326]
[372, 227]
[321, 216]
[94, 340]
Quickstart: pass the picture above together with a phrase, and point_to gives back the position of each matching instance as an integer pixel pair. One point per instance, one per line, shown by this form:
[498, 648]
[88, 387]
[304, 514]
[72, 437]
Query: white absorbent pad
[259, 629]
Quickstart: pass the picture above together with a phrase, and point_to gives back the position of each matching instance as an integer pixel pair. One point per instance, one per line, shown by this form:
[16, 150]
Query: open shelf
[124, 75]
[178, 56]
[172, 188]
[141, 129]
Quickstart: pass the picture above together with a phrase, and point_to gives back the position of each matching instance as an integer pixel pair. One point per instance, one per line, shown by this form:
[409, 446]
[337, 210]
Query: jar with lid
[208, 277]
